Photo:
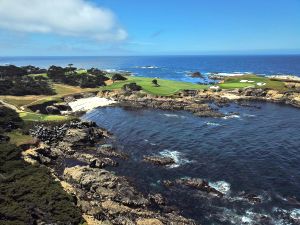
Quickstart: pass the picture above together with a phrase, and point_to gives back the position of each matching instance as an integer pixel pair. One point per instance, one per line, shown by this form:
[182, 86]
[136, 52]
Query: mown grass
[30, 116]
[60, 89]
[166, 88]
[234, 82]
[18, 138]
[19, 101]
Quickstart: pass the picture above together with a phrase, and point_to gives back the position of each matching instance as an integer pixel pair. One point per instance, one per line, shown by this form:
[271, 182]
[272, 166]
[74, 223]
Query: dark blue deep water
[257, 152]
[172, 67]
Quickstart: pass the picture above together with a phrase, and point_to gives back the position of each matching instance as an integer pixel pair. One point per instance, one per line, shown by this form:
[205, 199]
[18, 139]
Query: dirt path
[9, 106]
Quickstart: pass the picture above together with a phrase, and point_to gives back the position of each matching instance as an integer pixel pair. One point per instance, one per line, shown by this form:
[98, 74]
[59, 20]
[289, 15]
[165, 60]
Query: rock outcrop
[159, 160]
[103, 197]
[140, 100]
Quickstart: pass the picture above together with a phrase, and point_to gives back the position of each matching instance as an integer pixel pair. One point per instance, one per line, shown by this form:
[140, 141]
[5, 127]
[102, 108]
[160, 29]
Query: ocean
[255, 153]
[172, 67]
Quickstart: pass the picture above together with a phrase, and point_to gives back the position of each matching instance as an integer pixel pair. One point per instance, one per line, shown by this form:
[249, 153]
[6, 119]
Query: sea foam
[178, 157]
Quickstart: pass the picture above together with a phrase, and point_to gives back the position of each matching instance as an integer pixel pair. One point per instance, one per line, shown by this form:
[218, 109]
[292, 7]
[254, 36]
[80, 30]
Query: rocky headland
[79, 155]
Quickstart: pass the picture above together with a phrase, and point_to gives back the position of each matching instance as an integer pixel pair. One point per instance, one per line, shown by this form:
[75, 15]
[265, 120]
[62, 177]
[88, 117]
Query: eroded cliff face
[77, 155]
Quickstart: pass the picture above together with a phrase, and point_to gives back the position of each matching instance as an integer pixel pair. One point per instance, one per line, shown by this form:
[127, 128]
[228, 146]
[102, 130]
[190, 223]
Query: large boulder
[159, 160]
[62, 106]
[199, 184]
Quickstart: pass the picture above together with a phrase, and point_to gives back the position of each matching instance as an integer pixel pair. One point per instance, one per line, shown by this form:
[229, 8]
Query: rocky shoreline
[199, 101]
[80, 154]
[103, 197]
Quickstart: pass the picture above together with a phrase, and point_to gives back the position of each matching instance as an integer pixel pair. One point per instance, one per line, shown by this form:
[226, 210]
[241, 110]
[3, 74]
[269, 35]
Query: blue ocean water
[256, 153]
[172, 67]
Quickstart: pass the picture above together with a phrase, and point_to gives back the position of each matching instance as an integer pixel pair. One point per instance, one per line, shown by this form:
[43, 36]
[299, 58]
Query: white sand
[243, 81]
[261, 84]
[86, 104]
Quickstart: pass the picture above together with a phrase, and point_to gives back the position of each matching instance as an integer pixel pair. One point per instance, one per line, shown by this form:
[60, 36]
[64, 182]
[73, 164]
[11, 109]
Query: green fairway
[235, 82]
[166, 88]
[29, 116]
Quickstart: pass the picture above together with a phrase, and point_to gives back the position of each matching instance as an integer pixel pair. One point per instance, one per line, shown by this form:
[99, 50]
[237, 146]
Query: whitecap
[173, 115]
[231, 117]
[248, 115]
[212, 124]
[178, 157]
[295, 214]
[179, 72]
[221, 186]
[147, 67]
[247, 218]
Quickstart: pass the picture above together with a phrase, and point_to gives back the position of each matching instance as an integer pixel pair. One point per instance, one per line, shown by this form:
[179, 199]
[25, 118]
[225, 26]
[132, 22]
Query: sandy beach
[87, 104]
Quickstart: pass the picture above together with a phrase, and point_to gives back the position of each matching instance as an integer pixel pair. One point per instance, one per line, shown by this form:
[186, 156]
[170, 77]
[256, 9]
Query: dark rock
[252, 198]
[68, 99]
[110, 151]
[157, 199]
[168, 183]
[52, 110]
[102, 163]
[159, 160]
[132, 87]
[4, 139]
[197, 74]
[254, 92]
[62, 106]
[199, 184]
[88, 94]
[186, 93]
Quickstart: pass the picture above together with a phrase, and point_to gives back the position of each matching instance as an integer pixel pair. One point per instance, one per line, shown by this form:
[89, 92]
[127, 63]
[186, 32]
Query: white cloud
[63, 17]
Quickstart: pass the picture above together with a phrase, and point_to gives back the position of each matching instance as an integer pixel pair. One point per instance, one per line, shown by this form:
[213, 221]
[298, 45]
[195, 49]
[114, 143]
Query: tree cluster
[25, 85]
[29, 194]
[93, 78]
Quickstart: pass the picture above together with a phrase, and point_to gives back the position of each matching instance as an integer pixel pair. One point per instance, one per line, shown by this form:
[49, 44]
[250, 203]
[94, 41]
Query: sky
[149, 27]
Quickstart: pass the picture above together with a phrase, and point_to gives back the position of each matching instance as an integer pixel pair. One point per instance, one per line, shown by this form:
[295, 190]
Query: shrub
[155, 83]
[29, 193]
[118, 76]
[132, 87]
[12, 71]
[25, 86]
[9, 119]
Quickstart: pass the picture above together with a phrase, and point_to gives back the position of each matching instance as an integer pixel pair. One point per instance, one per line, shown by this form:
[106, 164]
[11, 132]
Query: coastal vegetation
[28, 193]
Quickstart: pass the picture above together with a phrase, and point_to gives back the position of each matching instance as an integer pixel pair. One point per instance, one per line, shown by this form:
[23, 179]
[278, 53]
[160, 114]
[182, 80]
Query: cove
[253, 153]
